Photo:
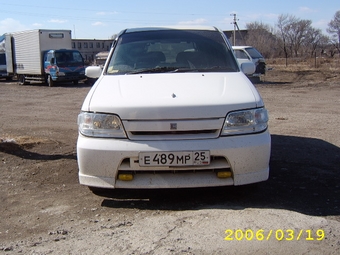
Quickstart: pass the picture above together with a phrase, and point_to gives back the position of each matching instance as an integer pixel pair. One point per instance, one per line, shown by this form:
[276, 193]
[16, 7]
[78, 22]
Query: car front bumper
[100, 160]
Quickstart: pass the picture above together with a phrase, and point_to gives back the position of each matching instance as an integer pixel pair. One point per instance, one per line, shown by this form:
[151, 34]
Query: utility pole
[235, 25]
[238, 29]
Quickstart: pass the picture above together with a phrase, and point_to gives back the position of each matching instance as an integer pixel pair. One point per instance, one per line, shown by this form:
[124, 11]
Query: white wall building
[90, 47]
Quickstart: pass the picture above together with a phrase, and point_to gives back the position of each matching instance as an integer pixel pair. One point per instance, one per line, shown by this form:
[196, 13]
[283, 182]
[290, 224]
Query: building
[90, 47]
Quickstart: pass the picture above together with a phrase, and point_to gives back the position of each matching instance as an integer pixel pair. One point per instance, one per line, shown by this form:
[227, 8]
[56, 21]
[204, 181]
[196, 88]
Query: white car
[172, 109]
[246, 54]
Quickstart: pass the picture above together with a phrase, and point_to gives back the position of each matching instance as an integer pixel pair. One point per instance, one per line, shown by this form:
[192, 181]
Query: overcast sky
[102, 19]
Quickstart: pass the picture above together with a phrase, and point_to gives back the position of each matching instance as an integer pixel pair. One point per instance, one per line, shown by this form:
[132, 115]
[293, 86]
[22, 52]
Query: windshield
[69, 58]
[171, 51]
[2, 59]
[254, 53]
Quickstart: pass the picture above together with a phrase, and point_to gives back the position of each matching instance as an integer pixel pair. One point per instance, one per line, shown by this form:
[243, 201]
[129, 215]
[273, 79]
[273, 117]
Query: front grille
[173, 129]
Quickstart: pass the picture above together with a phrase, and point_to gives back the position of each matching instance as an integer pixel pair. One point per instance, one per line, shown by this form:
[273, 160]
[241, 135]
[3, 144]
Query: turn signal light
[224, 174]
[125, 177]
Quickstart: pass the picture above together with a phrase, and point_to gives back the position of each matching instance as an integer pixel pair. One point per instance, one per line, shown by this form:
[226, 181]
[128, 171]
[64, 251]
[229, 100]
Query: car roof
[139, 29]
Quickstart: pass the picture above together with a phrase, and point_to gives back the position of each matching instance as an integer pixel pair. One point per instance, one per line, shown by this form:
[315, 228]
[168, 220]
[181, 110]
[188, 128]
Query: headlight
[246, 122]
[100, 125]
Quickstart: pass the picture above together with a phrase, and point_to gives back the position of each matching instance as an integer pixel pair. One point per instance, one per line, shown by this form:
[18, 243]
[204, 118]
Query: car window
[171, 50]
[254, 53]
[2, 59]
[240, 54]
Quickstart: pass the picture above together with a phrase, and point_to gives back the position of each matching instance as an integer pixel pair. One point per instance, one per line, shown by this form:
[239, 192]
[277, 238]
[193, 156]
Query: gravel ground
[45, 211]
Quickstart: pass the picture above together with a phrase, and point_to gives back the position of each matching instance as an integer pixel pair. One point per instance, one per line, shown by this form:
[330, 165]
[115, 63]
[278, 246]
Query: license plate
[174, 158]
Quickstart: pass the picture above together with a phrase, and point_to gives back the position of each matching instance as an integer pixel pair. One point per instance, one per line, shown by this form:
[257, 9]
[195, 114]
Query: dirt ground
[297, 211]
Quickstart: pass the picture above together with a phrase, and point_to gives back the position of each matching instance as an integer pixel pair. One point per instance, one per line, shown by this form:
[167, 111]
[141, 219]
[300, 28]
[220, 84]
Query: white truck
[43, 55]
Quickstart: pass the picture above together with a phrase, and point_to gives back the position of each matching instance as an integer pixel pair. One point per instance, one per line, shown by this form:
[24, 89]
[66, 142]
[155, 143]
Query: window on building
[91, 44]
[85, 45]
[79, 45]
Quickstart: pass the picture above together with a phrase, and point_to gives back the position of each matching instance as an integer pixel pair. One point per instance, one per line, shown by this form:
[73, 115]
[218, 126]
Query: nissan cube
[172, 108]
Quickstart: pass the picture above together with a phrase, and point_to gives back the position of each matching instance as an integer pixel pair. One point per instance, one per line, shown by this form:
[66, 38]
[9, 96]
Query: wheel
[50, 82]
[22, 80]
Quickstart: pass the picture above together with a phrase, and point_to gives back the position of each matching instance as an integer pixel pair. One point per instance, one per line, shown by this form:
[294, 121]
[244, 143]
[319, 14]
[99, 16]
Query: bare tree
[293, 37]
[261, 37]
[297, 36]
[283, 25]
[334, 29]
[297, 33]
[314, 40]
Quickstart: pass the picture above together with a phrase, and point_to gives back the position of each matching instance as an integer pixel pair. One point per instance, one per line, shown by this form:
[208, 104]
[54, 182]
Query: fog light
[224, 174]
[125, 177]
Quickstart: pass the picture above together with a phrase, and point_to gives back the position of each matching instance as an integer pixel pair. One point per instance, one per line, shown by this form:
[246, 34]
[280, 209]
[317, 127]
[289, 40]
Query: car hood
[172, 95]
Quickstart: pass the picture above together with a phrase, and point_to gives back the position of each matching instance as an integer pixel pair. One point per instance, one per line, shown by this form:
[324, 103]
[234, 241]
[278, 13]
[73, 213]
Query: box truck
[43, 55]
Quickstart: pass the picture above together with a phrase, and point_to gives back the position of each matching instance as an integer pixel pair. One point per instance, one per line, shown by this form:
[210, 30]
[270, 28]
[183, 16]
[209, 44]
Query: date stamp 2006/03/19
[278, 234]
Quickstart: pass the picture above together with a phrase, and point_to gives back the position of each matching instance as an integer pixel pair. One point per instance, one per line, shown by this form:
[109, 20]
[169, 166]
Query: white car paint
[170, 98]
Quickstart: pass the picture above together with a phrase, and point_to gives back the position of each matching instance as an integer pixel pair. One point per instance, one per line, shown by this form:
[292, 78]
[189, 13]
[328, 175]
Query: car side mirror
[93, 71]
[248, 68]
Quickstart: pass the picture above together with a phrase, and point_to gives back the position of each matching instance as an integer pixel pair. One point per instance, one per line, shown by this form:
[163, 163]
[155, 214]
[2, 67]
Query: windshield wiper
[164, 69]
[218, 68]
[205, 69]
[168, 69]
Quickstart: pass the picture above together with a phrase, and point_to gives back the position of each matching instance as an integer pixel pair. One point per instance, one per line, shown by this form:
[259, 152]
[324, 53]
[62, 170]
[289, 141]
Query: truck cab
[63, 65]
[3, 62]
[3, 66]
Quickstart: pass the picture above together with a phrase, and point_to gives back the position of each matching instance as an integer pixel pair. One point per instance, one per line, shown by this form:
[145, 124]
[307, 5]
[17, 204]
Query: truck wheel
[50, 82]
[22, 80]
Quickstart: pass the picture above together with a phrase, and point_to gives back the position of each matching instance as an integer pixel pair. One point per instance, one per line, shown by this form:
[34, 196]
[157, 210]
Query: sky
[103, 19]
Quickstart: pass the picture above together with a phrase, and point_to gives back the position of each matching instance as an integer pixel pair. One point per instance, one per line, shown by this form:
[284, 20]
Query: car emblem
[173, 95]
[173, 126]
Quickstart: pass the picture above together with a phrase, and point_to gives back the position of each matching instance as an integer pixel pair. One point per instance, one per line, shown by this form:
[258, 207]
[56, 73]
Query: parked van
[172, 109]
